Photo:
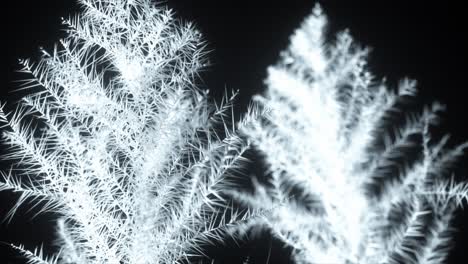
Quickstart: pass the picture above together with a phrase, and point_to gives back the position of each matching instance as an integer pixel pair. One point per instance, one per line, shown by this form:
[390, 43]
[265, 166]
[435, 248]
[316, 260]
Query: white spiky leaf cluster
[120, 142]
[344, 186]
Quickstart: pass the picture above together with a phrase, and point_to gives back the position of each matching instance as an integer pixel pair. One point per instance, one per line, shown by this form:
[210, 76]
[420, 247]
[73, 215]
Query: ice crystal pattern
[344, 186]
[120, 141]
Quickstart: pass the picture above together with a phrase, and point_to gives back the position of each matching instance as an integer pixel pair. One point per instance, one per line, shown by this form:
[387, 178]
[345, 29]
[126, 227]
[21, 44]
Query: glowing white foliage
[344, 187]
[120, 142]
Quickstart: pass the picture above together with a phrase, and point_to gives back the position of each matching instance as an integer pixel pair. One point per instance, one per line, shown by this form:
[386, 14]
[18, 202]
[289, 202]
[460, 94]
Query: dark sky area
[422, 40]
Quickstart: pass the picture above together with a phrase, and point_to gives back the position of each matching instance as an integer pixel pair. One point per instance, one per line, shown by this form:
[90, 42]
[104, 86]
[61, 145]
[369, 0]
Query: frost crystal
[344, 188]
[120, 142]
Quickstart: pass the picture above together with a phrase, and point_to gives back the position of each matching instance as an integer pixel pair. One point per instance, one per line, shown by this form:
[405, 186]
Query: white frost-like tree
[120, 142]
[344, 186]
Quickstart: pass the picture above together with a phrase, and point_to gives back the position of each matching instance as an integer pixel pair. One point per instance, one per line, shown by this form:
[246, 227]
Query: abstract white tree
[120, 142]
[344, 185]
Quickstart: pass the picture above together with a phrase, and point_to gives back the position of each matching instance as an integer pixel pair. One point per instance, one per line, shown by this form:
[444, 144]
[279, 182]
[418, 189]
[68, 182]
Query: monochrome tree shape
[344, 186]
[120, 141]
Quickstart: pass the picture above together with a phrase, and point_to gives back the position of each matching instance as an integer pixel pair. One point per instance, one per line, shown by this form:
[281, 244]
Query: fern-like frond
[350, 187]
[121, 142]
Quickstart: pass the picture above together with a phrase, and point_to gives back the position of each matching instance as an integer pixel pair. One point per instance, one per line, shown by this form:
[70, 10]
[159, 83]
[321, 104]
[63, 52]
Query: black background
[420, 39]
